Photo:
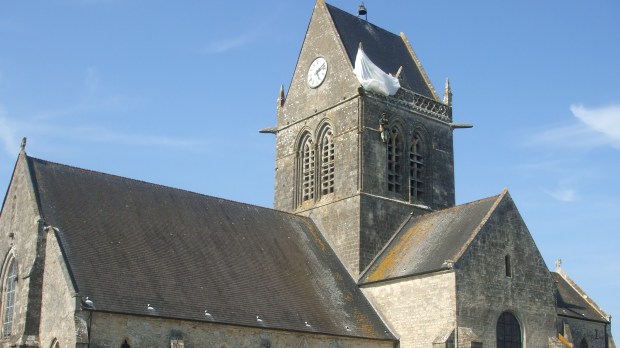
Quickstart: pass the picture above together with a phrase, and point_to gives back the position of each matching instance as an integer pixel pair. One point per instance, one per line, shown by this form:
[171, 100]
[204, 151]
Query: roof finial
[400, 71]
[23, 145]
[361, 11]
[558, 264]
[281, 97]
[361, 47]
[447, 94]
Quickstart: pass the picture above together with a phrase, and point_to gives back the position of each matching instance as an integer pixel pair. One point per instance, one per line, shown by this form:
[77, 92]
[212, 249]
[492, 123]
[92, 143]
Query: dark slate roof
[425, 242]
[570, 303]
[387, 50]
[130, 243]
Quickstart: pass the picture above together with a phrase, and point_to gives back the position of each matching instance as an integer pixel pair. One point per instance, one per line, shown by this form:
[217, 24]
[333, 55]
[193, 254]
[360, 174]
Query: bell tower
[356, 161]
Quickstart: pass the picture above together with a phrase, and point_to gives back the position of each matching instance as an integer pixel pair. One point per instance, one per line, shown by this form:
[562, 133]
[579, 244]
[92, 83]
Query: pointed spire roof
[386, 50]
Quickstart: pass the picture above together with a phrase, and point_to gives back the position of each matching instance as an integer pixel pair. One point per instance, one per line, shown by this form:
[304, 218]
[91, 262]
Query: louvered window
[394, 154]
[307, 174]
[327, 162]
[10, 283]
[416, 169]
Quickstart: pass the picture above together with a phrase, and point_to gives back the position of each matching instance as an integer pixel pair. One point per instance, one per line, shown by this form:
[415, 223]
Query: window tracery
[327, 162]
[8, 304]
[416, 169]
[306, 170]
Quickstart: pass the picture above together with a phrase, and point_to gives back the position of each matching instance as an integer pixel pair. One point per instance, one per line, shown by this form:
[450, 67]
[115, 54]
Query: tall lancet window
[306, 161]
[394, 154]
[8, 305]
[327, 161]
[416, 169]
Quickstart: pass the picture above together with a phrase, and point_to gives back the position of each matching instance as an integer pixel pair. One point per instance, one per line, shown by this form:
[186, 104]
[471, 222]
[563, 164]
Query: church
[364, 247]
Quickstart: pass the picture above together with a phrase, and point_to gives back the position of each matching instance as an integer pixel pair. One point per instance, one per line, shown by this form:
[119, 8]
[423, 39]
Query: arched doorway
[508, 331]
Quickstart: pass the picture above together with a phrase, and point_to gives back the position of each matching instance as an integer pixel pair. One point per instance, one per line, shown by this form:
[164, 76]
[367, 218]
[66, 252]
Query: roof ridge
[460, 205]
[418, 63]
[329, 7]
[162, 186]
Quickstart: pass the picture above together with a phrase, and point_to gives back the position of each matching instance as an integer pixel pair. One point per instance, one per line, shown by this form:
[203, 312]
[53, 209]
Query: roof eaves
[446, 269]
[418, 63]
[35, 185]
[393, 338]
[65, 258]
[301, 48]
[583, 294]
[332, 24]
[480, 225]
[10, 181]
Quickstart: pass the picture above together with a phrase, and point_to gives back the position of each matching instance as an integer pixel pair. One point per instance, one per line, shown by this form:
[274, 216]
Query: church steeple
[333, 163]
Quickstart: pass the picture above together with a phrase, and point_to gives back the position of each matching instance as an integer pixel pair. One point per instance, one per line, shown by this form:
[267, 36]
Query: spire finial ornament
[447, 94]
[558, 264]
[22, 147]
[281, 97]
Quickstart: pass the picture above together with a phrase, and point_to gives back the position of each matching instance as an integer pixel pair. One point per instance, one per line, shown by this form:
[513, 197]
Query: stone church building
[364, 247]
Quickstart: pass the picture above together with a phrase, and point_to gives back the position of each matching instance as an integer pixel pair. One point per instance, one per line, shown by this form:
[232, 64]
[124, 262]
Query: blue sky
[174, 93]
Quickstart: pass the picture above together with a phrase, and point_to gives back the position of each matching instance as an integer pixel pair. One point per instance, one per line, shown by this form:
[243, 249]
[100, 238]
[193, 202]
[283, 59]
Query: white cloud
[103, 135]
[604, 120]
[574, 136]
[563, 194]
[229, 44]
[593, 127]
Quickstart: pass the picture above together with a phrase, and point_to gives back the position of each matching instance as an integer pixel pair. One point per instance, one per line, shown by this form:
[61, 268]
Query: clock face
[317, 72]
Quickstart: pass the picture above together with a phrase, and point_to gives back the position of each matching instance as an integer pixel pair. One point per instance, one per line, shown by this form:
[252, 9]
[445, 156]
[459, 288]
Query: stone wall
[21, 236]
[417, 309]
[485, 291]
[60, 302]
[594, 333]
[360, 155]
[438, 143]
[110, 330]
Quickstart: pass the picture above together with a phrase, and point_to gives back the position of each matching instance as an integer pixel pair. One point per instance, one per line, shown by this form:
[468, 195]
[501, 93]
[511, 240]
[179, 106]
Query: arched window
[306, 169]
[584, 343]
[327, 161]
[55, 344]
[508, 331]
[416, 169]
[9, 286]
[125, 344]
[394, 154]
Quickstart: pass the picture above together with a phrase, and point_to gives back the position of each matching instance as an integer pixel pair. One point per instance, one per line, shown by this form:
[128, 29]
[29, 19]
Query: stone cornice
[423, 105]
